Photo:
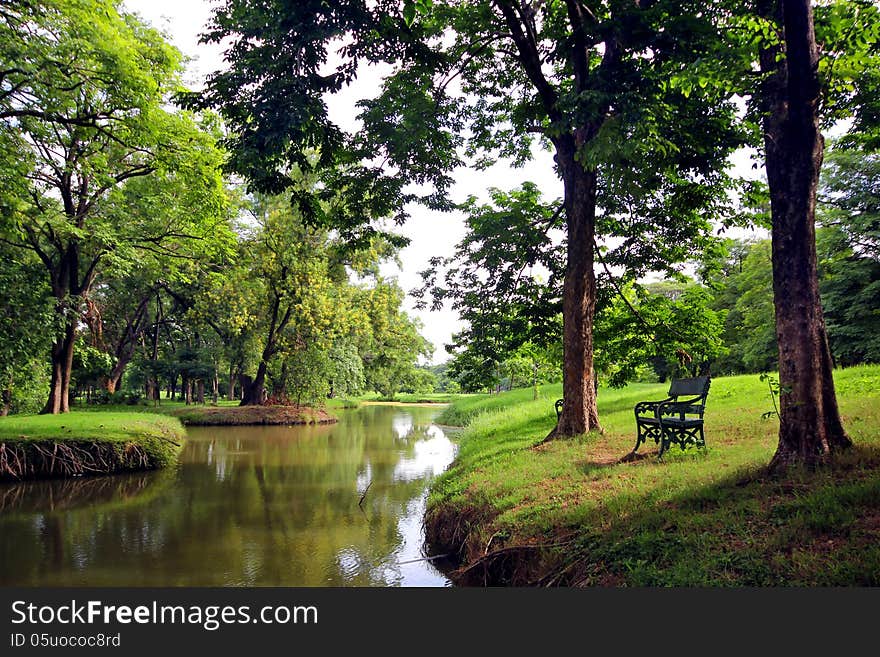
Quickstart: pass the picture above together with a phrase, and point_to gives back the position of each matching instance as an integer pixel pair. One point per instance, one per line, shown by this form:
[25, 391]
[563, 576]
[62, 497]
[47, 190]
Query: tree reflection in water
[256, 506]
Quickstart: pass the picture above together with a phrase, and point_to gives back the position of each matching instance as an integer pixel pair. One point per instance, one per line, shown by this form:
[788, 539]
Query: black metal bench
[676, 419]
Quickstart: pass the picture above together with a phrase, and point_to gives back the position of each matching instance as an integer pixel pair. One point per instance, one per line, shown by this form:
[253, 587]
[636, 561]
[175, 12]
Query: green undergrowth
[570, 512]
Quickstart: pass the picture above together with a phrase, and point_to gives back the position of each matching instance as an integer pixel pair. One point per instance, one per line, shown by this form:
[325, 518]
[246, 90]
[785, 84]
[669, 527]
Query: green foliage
[26, 324]
[672, 327]
[848, 248]
[99, 177]
[394, 345]
[497, 282]
[345, 370]
[90, 364]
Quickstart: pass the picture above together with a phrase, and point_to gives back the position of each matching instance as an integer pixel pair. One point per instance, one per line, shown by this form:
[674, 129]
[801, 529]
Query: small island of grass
[252, 414]
[77, 444]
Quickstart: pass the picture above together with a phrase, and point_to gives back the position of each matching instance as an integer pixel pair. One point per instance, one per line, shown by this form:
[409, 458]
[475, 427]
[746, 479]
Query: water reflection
[275, 506]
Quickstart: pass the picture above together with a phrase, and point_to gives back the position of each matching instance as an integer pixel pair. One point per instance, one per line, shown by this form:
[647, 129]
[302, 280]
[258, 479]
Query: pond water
[245, 506]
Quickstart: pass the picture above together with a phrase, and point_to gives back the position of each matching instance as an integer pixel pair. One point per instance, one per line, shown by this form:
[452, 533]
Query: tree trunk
[579, 412]
[6, 399]
[200, 391]
[809, 424]
[112, 383]
[62, 366]
[252, 391]
[231, 392]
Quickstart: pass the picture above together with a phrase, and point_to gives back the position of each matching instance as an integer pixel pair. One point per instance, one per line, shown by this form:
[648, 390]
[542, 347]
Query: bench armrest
[692, 406]
[649, 406]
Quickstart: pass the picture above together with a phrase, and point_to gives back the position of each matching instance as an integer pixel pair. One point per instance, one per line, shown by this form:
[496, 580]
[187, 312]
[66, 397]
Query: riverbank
[251, 415]
[570, 513]
[76, 444]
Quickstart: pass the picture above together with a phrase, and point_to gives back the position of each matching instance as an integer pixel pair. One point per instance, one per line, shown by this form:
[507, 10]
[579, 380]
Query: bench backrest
[693, 387]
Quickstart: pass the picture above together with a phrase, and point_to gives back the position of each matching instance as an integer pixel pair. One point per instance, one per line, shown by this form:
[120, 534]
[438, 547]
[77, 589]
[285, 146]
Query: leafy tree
[848, 244]
[849, 199]
[394, 345]
[531, 365]
[741, 277]
[345, 370]
[803, 86]
[290, 267]
[504, 280]
[26, 322]
[591, 80]
[444, 382]
[82, 121]
[670, 326]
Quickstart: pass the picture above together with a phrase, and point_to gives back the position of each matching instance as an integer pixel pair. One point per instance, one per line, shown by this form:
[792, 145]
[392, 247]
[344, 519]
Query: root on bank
[49, 458]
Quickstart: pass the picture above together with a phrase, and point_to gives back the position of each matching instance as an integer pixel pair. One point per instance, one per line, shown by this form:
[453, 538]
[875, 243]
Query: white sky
[430, 233]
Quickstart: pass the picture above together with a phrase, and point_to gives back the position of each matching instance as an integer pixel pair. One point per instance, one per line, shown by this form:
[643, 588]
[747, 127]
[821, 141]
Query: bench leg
[646, 431]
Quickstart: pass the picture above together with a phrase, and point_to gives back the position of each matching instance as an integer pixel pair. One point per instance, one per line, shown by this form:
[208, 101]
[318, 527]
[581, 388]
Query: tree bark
[252, 391]
[230, 395]
[579, 411]
[6, 399]
[810, 429]
[62, 366]
[124, 350]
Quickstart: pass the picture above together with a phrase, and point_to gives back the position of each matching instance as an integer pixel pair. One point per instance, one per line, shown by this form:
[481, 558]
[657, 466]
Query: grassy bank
[415, 398]
[249, 415]
[72, 444]
[570, 513]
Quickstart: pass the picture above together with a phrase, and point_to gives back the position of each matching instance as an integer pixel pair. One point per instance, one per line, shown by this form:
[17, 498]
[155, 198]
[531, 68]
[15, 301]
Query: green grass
[110, 426]
[157, 437]
[698, 518]
[342, 404]
[415, 398]
[143, 406]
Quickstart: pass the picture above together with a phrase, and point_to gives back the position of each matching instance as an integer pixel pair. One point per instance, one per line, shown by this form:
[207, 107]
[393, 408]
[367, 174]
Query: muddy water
[332, 505]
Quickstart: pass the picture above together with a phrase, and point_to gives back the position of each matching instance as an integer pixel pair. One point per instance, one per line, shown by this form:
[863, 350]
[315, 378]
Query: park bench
[676, 419]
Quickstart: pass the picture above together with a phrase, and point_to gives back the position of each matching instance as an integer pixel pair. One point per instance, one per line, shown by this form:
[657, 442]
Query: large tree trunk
[579, 411]
[252, 391]
[62, 366]
[809, 424]
[112, 383]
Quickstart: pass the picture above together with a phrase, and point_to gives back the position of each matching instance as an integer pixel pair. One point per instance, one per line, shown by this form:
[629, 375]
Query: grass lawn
[76, 443]
[569, 512]
[417, 398]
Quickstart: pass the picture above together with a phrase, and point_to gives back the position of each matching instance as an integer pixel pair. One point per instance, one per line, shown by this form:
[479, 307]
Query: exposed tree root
[39, 459]
[462, 533]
